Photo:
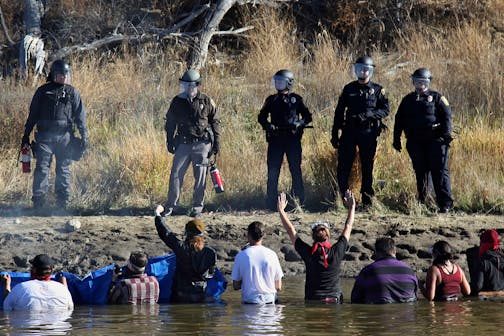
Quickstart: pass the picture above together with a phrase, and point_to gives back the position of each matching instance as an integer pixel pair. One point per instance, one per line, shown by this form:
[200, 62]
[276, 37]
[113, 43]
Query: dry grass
[126, 100]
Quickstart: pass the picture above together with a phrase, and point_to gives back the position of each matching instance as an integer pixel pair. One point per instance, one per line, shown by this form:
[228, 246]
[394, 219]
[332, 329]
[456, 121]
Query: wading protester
[445, 280]
[387, 280]
[256, 270]
[133, 286]
[40, 293]
[195, 263]
[490, 274]
[322, 259]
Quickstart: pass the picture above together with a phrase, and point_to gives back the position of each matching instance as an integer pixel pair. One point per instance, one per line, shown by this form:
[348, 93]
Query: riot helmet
[364, 67]
[283, 80]
[59, 67]
[421, 79]
[189, 83]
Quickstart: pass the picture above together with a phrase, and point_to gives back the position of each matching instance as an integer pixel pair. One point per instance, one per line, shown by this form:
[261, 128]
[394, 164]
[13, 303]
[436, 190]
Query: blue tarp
[93, 289]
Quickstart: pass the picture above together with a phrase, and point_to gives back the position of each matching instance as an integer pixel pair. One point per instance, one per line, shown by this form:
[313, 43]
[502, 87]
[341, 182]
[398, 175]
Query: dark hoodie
[491, 271]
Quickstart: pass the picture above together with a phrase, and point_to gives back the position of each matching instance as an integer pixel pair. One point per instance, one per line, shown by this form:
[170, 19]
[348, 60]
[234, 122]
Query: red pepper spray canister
[216, 179]
[25, 159]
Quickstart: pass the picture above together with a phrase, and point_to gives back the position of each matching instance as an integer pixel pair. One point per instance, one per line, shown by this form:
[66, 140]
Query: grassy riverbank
[127, 97]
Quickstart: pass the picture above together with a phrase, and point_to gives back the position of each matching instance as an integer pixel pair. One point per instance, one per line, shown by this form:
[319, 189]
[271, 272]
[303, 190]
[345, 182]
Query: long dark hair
[443, 252]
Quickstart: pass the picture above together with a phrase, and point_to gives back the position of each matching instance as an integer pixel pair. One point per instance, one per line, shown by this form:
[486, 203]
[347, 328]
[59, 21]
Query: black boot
[38, 202]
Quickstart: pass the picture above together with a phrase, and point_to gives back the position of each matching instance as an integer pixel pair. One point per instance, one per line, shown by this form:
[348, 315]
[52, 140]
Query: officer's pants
[47, 146]
[197, 154]
[431, 157]
[277, 147]
[366, 140]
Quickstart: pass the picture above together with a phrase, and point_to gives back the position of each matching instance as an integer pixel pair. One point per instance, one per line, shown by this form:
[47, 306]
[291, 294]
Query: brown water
[292, 317]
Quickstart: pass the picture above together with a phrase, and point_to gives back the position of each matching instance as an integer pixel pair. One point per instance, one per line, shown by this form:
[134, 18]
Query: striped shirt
[139, 289]
[387, 280]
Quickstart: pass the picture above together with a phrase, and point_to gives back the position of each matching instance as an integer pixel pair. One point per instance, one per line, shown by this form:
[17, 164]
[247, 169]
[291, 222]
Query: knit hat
[195, 227]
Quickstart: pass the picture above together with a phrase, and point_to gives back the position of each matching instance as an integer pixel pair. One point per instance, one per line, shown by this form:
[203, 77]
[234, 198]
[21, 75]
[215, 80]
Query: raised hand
[282, 202]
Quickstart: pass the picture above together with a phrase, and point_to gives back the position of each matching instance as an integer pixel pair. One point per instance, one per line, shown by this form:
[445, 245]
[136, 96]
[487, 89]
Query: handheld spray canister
[216, 178]
[26, 159]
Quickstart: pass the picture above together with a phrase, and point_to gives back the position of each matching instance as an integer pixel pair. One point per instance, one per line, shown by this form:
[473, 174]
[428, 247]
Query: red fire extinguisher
[216, 179]
[26, 159]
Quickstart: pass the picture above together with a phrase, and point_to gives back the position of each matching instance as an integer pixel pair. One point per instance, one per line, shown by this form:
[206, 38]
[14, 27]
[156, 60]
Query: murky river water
[291, 317]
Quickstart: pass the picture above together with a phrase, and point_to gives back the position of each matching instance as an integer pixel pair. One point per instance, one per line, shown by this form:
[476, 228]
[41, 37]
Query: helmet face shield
[420, 84]
[189, 88]
[363, 71]
[280, 83]
[62, 77]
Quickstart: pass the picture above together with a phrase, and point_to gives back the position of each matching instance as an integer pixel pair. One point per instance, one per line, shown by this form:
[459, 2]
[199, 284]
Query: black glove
[170, 147]
[215, 148]
[271, 128]
[85, 143]
[25, 141]
[447, 138]
[365, 115]
[299, 125]
[335, 142]
[397, 145]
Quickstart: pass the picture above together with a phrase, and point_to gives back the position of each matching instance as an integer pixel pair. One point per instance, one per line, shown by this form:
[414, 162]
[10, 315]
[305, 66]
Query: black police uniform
[426, 120]
[288, 114]
[55, 109]
[358, 114]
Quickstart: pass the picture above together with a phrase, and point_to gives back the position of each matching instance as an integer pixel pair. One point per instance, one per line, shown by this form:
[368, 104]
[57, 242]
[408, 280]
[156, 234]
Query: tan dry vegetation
[127, 97]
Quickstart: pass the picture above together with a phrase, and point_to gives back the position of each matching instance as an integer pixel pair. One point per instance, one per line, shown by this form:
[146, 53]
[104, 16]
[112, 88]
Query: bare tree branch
[153, 34]
[117, 38]
[5, 30]
[237, 31]
[200, 54]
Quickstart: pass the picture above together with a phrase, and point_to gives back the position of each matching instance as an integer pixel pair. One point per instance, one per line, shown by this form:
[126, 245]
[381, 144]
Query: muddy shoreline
[80, 244]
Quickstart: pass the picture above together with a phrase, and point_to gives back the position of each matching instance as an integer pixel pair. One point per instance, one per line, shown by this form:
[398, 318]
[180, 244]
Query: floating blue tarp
[93, 289]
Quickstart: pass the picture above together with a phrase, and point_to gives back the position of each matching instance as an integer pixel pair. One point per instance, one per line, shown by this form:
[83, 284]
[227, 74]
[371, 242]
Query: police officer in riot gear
[55, 109]
[288, 116]
[192, 135]
[425, 117]
[361, 107]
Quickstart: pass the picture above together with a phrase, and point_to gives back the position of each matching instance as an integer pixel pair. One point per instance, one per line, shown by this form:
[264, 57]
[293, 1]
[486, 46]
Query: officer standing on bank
[55, 109]
[288, 116]
[361, 107]
[192, 135]
[425, 117]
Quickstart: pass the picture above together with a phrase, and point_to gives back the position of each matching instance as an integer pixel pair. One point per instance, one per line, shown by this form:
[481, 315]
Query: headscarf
[489, 240]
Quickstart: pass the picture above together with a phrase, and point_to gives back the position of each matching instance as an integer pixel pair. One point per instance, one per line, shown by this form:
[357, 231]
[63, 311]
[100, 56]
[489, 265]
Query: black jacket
[357, 99]
[425, 116]
[284, 111]
[55, 109]
[191, 118]
[491, 271]
[193, 269]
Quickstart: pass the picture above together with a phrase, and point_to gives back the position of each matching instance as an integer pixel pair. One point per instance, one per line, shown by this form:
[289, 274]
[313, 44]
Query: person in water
[490, 276]
[445, 280]
[322, 259]
[195, 262]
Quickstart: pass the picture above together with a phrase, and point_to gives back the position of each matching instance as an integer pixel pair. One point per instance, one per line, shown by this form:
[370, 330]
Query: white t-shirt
[38, 295]
[257, 267]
